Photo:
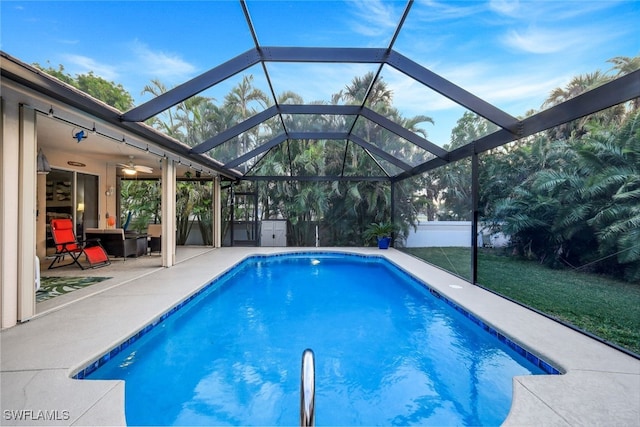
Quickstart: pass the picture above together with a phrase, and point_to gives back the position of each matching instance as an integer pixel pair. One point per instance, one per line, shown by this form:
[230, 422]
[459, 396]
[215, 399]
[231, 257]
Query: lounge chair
[67, 244]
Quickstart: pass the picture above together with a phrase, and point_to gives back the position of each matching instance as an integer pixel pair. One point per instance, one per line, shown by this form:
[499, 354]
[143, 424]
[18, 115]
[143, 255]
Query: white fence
[451, 233]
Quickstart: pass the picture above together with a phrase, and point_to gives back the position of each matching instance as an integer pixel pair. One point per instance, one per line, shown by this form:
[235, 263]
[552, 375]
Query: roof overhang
[30, 77]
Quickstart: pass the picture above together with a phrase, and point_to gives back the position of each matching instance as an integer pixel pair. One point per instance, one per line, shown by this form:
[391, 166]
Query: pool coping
[600, 385]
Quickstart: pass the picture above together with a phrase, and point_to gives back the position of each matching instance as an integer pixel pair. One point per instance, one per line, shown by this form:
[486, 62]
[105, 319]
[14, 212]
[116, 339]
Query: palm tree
[529, 214]
[575, 87]
[611, 160]
[166, 122]
[142, 199]
[243, 95]
[581, 207]
[625, 65]
[242, 101]
[379, 97]
[191, 122]
[453, 181]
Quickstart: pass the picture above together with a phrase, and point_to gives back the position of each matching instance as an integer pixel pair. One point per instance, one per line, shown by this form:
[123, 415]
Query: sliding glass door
[86, 215]
[71, 195]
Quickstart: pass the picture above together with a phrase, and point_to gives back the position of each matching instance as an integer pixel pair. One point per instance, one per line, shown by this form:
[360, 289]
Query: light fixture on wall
[109, 191]
[43, 166]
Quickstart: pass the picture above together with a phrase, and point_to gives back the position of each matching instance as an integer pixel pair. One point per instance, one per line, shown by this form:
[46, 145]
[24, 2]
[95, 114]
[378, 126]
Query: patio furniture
[154, 231]
[67, 244]
[125, 226]
[142, 242]
[117, 243]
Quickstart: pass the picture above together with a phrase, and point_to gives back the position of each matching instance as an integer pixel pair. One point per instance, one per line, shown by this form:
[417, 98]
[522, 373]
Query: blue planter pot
[383, 242]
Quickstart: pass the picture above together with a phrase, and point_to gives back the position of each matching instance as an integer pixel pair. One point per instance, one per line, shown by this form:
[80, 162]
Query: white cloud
[431, 11]
[542, 41]
[79, 64]
[515, 89]
[159, 64]
[135, 65]
[523, 90]
[505, 7]
[549, 11]
[373, 18]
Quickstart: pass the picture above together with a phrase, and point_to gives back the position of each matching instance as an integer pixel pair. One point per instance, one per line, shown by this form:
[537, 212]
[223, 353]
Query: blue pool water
[387, 351]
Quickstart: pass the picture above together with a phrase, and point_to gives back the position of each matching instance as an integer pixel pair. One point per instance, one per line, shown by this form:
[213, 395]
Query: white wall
[440, 234]
[452, 233]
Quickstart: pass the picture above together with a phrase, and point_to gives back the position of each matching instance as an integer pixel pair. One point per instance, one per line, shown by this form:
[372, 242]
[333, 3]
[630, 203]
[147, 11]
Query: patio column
[217, 213]
[168, 247]
[27, 184]
[18, 213]
[9, 157]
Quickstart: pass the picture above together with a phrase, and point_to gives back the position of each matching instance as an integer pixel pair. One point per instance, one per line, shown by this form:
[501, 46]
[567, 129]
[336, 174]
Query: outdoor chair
[117, 243]
[154, 231]
[67, 244]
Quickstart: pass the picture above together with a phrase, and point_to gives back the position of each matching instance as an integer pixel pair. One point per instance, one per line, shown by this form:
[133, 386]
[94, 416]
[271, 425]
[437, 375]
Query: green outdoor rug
[54, 286]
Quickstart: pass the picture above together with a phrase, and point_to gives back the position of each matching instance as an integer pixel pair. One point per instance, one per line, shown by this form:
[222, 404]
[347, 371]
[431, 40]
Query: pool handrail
[308, 389]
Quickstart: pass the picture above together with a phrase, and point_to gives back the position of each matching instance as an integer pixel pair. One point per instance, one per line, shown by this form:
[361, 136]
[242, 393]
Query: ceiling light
[129, 171]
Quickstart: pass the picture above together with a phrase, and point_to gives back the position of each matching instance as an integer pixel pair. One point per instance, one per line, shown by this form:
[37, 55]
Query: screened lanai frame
[510, 128]
[393, 168]
[392, 165]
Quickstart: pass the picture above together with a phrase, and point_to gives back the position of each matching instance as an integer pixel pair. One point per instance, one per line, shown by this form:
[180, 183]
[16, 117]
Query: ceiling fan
[131, 168]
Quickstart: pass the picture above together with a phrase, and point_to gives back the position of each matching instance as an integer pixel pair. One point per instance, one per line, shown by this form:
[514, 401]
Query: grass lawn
[607, 308]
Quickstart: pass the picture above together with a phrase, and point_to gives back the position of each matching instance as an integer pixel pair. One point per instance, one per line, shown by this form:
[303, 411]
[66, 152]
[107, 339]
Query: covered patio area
[120, 271]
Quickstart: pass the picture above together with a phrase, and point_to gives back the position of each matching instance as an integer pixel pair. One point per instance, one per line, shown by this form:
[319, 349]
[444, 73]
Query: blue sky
[511, 53]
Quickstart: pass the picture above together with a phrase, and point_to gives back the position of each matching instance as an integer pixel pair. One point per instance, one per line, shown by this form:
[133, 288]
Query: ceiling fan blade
[143, 169]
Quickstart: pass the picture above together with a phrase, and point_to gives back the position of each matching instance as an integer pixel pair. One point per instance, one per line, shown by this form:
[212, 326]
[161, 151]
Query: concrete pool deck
[600, 385]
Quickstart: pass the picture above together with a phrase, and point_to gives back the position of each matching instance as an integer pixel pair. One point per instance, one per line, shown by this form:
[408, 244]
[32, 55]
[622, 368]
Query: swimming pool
[387, 351]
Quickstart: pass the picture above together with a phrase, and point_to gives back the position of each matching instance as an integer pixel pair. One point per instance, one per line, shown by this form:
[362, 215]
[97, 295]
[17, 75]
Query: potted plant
[381, 231]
